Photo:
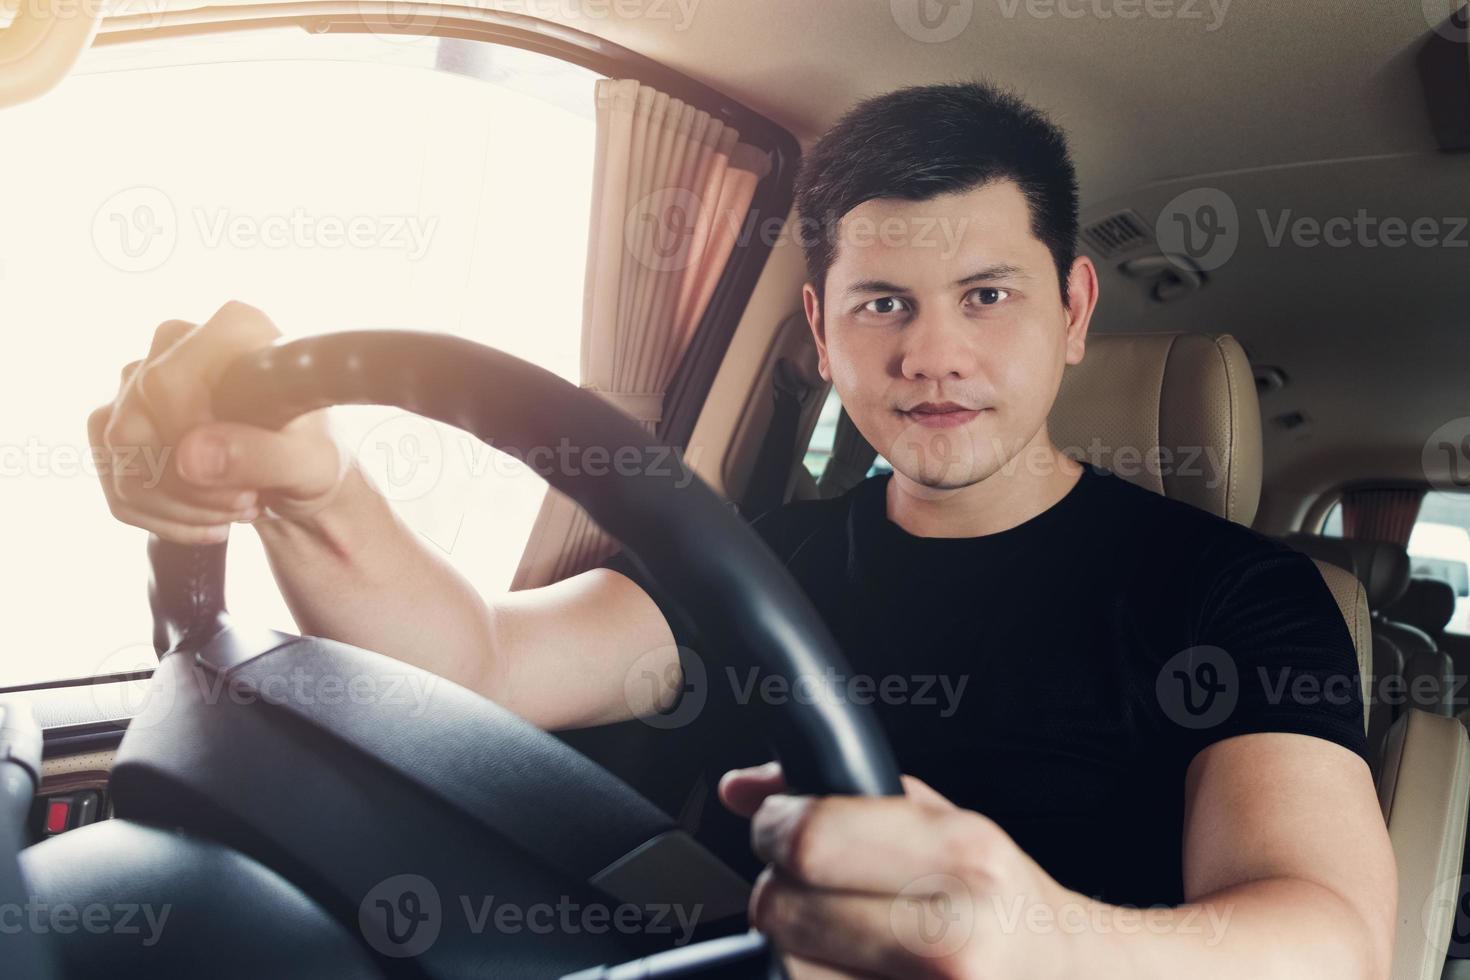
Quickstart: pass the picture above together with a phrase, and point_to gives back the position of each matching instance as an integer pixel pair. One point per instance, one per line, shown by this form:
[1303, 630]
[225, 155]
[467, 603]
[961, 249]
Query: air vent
[1116, 234]
[1269, 378]
[1290, 421]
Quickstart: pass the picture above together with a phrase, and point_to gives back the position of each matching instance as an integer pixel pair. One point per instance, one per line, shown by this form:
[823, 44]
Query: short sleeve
[768, 525]
[685, 634]
[1273, 654]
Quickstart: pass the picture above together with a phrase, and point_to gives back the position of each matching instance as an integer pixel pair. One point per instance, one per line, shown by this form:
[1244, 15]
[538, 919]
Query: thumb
[743, 790]
[924, 795]
[298, 462]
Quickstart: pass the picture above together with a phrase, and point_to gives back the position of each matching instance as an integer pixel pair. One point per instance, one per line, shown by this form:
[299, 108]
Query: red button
[57, 814]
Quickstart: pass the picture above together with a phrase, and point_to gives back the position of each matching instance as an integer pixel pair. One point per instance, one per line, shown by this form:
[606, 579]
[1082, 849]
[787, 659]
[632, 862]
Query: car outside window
[1439, 547]
[336, 182]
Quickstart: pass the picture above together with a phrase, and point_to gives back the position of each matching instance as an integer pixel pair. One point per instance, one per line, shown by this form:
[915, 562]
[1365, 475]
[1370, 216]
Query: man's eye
[988, 295]
[887, 306]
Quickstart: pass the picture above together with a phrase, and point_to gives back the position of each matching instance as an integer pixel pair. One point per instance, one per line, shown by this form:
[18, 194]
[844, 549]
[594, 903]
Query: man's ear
[1082, 289]
[812, 303]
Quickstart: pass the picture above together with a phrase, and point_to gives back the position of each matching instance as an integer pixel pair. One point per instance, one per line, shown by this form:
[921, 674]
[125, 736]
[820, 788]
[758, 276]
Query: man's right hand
[213, 473]
[567, 655]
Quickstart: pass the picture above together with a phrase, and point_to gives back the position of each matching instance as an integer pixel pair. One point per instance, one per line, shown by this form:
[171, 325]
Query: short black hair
[920, 142]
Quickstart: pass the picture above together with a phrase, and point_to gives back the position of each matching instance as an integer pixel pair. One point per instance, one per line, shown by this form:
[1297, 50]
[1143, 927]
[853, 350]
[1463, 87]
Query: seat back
[1178, 414]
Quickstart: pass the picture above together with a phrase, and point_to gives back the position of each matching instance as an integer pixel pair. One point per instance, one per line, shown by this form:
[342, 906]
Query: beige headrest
[1175, 413]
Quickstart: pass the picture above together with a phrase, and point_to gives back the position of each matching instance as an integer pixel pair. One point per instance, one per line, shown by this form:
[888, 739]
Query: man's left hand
[909, 886]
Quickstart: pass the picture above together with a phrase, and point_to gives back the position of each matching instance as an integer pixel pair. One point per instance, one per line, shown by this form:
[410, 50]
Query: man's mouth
[940, 415]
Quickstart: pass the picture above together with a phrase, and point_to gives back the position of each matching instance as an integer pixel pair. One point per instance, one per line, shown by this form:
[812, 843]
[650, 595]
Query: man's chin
[945, 480]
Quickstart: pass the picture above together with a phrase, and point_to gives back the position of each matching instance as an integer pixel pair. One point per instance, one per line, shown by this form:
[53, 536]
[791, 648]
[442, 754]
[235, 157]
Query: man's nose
[937, 347]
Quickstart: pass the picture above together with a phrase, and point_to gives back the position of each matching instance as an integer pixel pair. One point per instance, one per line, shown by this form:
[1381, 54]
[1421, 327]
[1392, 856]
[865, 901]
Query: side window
[819, 450]
[1439, 547]
[336, 182]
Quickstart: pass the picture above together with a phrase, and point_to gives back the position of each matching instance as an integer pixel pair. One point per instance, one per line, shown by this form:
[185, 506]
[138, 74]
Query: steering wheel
[357, 806]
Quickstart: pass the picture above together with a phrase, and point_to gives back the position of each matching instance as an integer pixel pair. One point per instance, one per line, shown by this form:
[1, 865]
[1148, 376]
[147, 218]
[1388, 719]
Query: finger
[171, 530]
[743, 790]
[167, 334]
[241, 505]
[803, 969]
[296, 461]
[141, 473]
[130, 396]
[922, 794]
[176, 385]
[845, 931]
[126, 374]
[871, 844]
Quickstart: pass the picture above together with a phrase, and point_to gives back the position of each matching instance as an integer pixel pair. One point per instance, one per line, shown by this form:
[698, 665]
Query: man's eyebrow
[875, 286]
[992, 274]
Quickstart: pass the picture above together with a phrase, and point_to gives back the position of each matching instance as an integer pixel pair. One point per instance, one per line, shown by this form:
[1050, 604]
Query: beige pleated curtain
[673, 186]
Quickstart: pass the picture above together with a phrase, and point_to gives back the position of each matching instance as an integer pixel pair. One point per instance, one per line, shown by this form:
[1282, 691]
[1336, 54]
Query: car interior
[494, 227]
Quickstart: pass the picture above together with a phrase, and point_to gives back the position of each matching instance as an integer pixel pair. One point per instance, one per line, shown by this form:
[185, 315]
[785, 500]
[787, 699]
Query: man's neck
[1008, 497]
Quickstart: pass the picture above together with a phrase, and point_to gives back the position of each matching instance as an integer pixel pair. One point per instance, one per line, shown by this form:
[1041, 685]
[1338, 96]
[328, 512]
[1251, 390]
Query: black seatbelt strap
[773, 466]
[851, 459]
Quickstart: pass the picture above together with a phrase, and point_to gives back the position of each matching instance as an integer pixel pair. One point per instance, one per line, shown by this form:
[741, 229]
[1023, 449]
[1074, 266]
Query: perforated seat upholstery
[1178, 414]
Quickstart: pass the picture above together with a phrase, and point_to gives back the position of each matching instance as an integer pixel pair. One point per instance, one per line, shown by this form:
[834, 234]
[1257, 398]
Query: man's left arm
[1288, 870]
[1288, 873]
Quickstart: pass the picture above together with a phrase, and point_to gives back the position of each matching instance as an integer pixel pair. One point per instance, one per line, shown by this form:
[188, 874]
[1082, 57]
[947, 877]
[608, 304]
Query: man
[1054, 790]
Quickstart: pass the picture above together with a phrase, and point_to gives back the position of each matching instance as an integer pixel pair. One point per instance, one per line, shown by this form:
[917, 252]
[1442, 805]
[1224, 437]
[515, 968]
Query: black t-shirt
[1058, 676]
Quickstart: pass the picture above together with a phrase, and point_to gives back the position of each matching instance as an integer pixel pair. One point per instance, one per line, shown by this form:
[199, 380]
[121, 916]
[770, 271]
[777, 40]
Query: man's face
[943, 330]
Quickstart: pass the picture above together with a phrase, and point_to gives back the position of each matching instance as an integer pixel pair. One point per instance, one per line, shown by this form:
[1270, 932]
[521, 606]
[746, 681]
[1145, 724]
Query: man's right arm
[589, 650]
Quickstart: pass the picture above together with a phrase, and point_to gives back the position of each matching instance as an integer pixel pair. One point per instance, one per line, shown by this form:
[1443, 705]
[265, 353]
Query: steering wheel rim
[745, 602]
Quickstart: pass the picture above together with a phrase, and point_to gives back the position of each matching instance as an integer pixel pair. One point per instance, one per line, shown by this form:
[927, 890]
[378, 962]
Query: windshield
[336, 182]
